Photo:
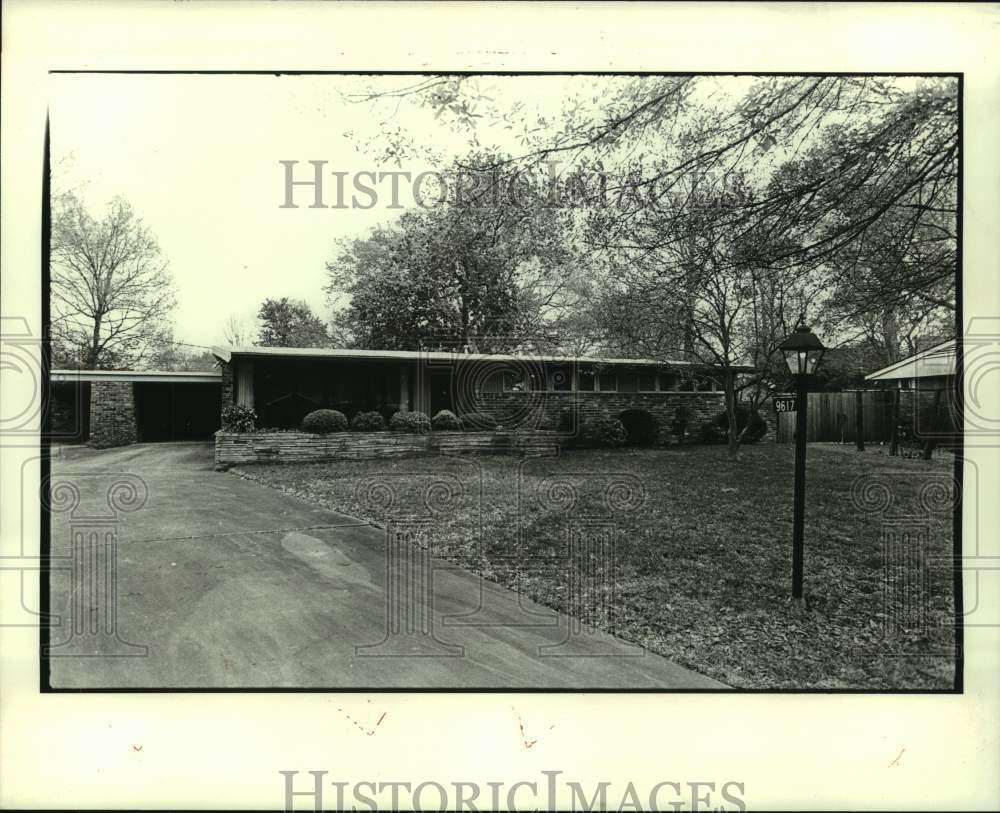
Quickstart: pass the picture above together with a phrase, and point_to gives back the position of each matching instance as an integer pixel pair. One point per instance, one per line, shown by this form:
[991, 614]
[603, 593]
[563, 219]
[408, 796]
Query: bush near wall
[478, 421]
[238, 418]
[606, 433]
[368, 422]
[641, 427]
[757, 425]
[324, 421]
[573, 410]
[446, 421]
[413, 422]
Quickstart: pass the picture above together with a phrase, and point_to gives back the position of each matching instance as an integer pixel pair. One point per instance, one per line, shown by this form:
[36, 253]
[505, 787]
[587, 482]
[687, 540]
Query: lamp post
[803, 352]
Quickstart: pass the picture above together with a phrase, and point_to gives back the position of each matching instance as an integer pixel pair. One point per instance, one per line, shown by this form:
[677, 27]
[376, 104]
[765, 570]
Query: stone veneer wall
[112, 414]
[232, 448]
[528, 407]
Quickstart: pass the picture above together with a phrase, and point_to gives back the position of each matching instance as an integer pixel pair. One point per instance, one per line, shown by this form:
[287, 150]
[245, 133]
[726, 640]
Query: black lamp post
[803, 352]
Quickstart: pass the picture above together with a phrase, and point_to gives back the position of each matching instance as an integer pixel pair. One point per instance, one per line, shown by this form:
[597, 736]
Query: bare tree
[111, 294]
[239, 332]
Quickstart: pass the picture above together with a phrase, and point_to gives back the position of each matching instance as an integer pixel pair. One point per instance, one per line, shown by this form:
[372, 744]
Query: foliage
[368, 422]
[478, 270]
[446, 421]
[606, 432]
[111, 293]
[324, 421]
[412, 422]
[679, 425]
[478, 421]
[568, 419]
[290, 323]
[641, 426]
[711, 433]
[238, 418]
[750, 424]
[546, 421]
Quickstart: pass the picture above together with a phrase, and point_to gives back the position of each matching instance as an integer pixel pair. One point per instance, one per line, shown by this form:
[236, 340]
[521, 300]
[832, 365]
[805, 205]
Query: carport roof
[930, 363]
[226, 354]
[138, 376]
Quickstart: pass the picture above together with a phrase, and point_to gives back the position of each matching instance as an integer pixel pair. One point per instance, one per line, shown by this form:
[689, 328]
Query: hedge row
[635, 427]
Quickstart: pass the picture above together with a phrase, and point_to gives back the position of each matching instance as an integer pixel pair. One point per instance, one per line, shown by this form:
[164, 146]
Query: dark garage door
[177, 411]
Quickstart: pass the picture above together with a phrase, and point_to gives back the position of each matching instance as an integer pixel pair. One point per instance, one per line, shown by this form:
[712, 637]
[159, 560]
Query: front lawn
[702, 567]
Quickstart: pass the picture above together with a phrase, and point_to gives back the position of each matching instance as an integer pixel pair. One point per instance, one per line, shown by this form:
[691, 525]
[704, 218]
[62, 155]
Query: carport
[117, 407]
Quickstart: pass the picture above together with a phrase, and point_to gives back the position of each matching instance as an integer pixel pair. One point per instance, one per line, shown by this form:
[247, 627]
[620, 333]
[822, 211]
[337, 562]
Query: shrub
[479, 420]
[239, 418]
[608, 432]
[568, 418]
[324, 421]
[711, 433]
[414, 422]
[756, 431]
[368, 422]
[679, 425]
[641, 426]
[446, 421]
[547, 422]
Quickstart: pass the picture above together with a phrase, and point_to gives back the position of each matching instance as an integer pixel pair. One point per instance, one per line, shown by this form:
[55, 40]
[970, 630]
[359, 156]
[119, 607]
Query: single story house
[283, 384]
[930, 369]
[925, 395]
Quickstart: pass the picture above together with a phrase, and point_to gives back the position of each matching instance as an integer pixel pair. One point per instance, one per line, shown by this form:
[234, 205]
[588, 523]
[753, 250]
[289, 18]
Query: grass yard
[702, 565]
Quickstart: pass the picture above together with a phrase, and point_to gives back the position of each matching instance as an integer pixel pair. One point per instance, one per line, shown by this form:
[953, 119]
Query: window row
[589, 379]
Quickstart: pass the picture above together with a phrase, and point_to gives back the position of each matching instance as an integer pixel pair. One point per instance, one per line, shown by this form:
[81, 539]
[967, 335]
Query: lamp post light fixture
[803, 352]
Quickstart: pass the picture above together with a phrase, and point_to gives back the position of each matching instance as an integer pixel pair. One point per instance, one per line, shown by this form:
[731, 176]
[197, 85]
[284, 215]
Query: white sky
[197, 157]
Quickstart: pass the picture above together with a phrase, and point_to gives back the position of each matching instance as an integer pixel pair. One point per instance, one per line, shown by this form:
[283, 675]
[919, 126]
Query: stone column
[112, 414]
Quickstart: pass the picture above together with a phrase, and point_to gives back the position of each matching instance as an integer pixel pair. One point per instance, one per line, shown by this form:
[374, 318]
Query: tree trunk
[733, 435]
[94, 351]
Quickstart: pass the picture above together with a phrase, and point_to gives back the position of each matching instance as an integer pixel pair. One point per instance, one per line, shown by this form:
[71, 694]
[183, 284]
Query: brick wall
[228, 384]
[527, 408]
[232, 448]
[112, 414]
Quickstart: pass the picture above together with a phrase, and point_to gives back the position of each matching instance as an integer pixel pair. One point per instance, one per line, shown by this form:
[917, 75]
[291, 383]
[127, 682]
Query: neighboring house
[932, 369]
[926, 398]
[283, 384]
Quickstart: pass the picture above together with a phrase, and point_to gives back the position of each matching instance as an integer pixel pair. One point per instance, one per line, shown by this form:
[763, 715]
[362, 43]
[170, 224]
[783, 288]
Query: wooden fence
[832, 416]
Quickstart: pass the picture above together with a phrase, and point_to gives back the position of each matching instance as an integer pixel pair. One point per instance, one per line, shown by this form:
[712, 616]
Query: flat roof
[930, 363]
[144, 376]
[226, 353]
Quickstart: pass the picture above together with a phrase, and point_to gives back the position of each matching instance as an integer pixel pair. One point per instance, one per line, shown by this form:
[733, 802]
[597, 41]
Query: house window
[706, 384]
[647, 382]
[668, 382]
[608, 382]
[513, 382]
[562, 379]
[536, 383]
[587, 379]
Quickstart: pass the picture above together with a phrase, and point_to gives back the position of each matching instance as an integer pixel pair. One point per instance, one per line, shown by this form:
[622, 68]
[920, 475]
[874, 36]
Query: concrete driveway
[220, 582]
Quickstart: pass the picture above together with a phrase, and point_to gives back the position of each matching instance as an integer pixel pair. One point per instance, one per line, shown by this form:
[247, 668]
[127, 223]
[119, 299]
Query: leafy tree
[111, 293]
[290, 323]
[482, 269]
